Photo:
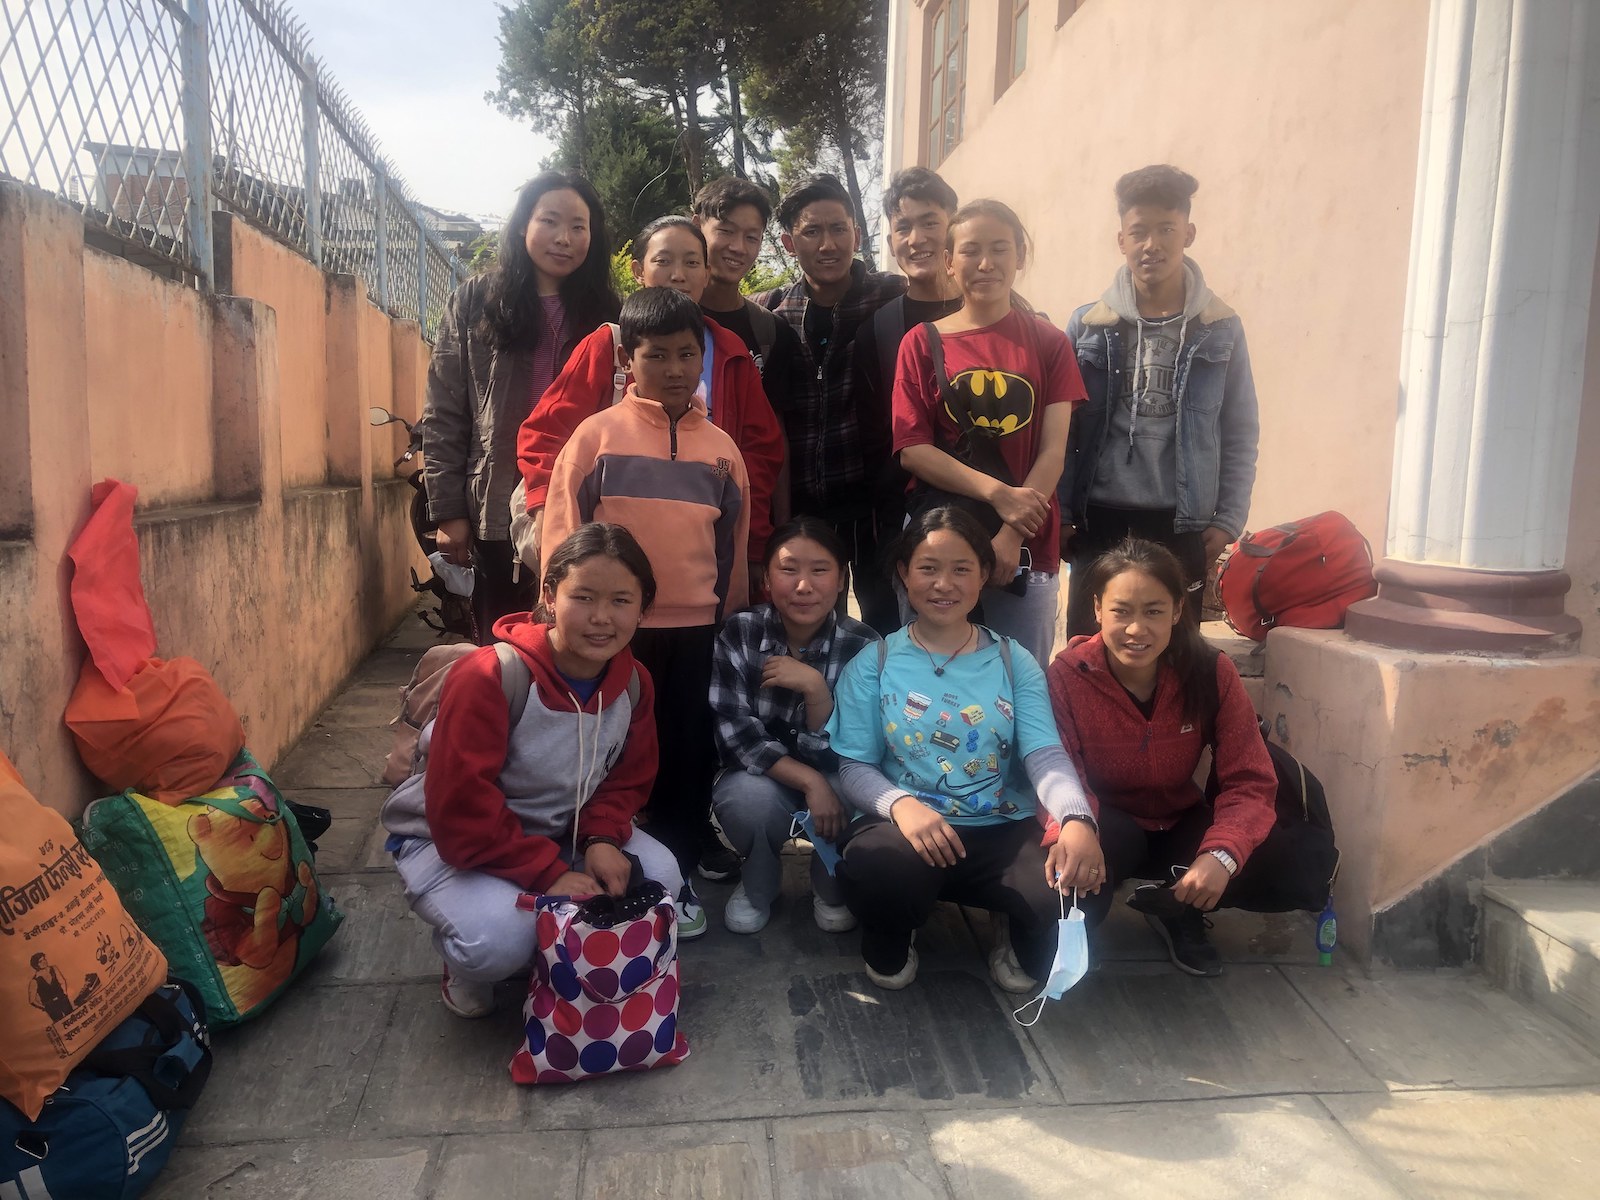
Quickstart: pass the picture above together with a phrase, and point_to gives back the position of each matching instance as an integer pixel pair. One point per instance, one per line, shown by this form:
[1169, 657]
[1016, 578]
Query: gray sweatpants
[478, 929]
[755, 813]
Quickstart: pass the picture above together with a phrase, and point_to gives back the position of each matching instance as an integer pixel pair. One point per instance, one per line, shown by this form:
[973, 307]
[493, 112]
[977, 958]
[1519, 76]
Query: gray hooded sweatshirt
[1139, 459]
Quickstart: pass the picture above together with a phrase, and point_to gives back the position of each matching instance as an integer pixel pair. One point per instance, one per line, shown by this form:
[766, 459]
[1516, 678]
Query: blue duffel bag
[110, 1128]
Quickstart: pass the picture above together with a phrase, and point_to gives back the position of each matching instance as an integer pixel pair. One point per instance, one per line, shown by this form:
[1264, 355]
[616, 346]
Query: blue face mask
[827, 853]
[1071, 962]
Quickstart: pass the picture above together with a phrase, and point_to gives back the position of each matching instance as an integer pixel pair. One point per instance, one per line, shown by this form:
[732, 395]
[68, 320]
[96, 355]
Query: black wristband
[1085, 818]
[583, 846]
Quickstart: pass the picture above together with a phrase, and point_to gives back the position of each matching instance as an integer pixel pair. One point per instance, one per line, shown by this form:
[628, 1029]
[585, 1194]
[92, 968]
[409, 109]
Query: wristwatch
[1227, 861]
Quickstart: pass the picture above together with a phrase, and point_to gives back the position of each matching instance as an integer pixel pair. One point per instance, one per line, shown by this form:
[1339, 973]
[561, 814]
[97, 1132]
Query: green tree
[548, 70]
[627, 151]
[818, 81]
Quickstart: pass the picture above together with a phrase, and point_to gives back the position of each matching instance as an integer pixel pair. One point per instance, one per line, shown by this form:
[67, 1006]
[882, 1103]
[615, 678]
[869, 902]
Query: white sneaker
[903, 978]
[1006, 971]
[832, 918]
[740, 916]
[466, 999]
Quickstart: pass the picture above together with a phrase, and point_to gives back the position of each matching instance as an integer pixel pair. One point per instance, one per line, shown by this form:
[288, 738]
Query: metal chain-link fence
[116, 105]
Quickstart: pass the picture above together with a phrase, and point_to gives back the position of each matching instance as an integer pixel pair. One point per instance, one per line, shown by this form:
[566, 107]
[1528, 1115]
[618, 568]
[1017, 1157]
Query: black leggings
[1278, 875]
[892, 892]
[679, 662]
[494, 594]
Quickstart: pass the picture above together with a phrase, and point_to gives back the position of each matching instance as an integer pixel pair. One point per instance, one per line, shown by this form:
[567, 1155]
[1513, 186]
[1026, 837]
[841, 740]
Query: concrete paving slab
[334, 758]
[310, 1170]
[343, 803]
[1484, 1144]
[345, 846]
[945, 1039]
[882, 1156]
[724, 1161]
[438, 1072]
[1136, 1031]
[362, 706]
[1446, 1029]
[380, 941]
[412, 634]
[515, 1165]
[739, 1066]
[298, 1070]
[389, 665]
[1269, 1147]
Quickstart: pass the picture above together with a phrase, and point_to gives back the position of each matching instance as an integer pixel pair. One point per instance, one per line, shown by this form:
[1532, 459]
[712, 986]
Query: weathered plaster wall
[252, 562]
[149, 360]
[1302, 128]
[1583, 530]
[1425, 756]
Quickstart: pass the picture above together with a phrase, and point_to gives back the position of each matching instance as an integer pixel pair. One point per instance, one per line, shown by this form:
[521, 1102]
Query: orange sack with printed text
[170, 734]
[73, 964]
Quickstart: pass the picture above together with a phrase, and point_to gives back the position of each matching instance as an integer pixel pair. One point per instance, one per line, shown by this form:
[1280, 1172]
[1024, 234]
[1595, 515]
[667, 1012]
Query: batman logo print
[998, 403]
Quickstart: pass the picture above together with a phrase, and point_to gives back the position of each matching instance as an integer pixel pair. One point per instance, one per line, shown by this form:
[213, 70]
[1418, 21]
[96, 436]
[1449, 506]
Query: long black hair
[959, 522]
[597, 540]
[512, 318]
[1188, 654]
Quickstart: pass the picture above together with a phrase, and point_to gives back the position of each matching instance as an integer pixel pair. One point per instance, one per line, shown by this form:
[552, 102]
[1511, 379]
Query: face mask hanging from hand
[1071, 961]
[457, 579]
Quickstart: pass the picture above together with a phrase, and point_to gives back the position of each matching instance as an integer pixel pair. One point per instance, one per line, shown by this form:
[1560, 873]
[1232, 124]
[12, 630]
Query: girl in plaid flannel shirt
[772, 692]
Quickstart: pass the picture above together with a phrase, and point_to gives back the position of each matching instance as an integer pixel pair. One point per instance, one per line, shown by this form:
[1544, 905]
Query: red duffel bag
[1303, 574]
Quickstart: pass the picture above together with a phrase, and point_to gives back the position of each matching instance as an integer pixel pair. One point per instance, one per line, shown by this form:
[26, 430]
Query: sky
[418, 71]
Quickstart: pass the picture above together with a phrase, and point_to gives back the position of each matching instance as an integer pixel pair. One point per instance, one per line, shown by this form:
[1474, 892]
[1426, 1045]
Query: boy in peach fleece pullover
[656, 466]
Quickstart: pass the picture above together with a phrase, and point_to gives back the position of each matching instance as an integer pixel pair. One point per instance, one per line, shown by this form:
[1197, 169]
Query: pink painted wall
[290, 285]
[149, 358]
[1300, 126]
[274, 580]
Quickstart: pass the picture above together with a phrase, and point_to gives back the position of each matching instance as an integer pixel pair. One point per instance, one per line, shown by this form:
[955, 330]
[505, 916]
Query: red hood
[531, 637]
[1088, 650]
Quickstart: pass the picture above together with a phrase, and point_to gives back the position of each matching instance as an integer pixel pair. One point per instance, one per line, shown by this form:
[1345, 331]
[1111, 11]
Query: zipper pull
[1145, 743]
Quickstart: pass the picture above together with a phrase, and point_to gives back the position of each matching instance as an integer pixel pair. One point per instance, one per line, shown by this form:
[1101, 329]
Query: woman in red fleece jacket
[545, 805]
[1137, 704]
[669, 252]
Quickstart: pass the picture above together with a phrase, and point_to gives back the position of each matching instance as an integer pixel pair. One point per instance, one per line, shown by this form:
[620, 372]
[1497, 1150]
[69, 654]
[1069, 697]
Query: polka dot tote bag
[604, 995]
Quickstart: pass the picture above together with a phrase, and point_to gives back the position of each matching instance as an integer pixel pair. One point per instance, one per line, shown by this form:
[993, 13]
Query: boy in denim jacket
[1165, 448]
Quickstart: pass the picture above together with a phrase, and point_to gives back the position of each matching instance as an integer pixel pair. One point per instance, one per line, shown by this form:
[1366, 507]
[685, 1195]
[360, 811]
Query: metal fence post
[380, 234]
[311, 130]
[197, 165]
[422, 272]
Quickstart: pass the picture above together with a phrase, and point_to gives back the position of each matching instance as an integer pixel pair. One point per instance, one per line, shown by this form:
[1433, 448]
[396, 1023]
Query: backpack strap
[174, 1069]
[889, 328]
[764, 325]
[619, 372]
[515, 680]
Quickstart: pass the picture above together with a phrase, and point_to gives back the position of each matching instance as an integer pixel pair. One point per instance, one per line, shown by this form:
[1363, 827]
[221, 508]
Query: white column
[901, 15]
[1497, 305]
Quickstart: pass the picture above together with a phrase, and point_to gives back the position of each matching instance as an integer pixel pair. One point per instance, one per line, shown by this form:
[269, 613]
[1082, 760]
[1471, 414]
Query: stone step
[1541, 941]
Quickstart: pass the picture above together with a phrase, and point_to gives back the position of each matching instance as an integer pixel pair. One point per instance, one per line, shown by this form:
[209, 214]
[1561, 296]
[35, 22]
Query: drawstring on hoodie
[585, 773]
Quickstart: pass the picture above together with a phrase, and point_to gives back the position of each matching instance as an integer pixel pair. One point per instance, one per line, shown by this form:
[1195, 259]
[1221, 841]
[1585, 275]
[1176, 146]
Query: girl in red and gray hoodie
[1137, 704]
[546, 805]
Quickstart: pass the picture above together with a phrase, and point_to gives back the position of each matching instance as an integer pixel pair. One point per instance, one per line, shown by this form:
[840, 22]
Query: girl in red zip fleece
[546, 806]
[1136, 704]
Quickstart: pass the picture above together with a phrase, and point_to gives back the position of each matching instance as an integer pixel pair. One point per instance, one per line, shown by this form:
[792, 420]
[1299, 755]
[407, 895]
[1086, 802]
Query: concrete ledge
[1541, 941]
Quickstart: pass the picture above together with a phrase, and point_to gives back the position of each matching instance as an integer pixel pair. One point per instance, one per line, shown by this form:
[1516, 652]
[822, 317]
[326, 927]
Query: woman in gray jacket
[505, 334]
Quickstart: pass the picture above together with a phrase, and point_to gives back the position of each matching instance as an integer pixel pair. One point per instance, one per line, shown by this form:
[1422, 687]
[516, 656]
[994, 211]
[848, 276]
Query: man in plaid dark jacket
[825, 306]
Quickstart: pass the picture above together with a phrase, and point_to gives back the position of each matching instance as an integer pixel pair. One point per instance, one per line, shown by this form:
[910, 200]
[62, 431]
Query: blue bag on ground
[108, 1130]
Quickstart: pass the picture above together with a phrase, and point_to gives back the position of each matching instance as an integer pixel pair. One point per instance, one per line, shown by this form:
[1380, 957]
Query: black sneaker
[1157, 900]
[1187, 944]
[718, 864]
